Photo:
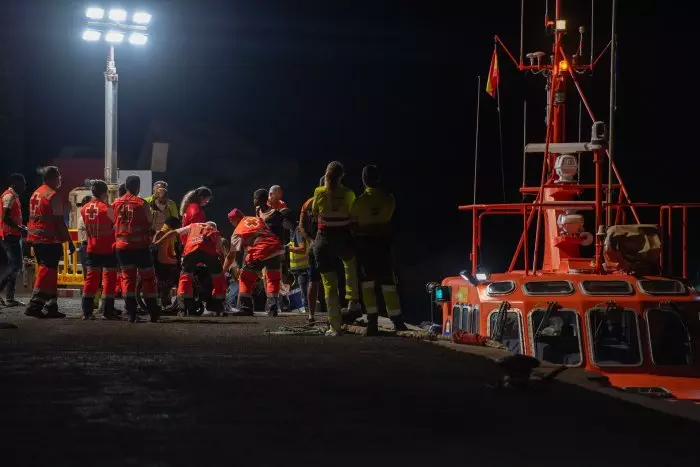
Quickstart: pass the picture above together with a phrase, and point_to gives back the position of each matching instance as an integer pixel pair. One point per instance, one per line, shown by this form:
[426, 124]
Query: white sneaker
[208, 313]
[332, 333]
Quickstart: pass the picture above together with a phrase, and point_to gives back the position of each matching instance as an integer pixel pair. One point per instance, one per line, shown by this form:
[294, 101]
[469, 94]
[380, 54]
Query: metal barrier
[70, 271]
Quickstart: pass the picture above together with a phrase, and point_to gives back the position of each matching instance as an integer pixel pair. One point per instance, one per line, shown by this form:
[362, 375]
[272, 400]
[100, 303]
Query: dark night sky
[392, 82]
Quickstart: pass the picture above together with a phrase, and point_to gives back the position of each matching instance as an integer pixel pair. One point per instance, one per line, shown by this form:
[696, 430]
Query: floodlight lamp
[563, 65]
[91, 35]
[117, 15]
[137, 38]
[141, 17]
[94, 13]
[114, 37]
[482, 276]
[560, 25]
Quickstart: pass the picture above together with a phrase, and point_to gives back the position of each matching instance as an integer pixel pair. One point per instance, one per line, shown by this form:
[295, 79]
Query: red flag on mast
[494, 76]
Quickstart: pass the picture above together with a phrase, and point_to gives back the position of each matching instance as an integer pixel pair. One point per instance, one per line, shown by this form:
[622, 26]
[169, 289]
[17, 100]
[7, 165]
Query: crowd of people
[151, 240]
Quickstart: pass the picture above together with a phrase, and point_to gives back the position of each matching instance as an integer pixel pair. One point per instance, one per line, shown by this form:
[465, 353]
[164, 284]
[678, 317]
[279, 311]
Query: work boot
[372, 325]
[34, 310]
[245, 307]
[87, 306]
[108, 311]
[153, 309]
[272, 307]
[399, 325]
[352, 312]
[52, 312]
[11, 303]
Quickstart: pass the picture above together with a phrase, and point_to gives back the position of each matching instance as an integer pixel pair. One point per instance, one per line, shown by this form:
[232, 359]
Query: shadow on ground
[110, 394]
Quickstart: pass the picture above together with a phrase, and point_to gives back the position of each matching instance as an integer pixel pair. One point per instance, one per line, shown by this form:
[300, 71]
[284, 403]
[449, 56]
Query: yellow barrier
[70, 271]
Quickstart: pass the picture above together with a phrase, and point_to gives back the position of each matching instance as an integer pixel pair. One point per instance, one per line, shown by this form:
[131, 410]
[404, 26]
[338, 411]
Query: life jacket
[43, 223]
[15, 214]
[132, 223]
[99, 227]
[203, 238]
[299, 261]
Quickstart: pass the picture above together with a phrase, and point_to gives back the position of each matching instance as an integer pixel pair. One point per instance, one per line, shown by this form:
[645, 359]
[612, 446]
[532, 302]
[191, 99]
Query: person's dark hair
[85, 200]
[48, 173]
[172, 222]
[98, 188]
[334, 173]
[133, 184]
[261, 193]
[370, 176]
[17, 179]
[121, 191]
[194, 196]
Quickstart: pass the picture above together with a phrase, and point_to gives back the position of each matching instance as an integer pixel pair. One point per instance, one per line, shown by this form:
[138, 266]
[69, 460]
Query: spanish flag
[492, 82]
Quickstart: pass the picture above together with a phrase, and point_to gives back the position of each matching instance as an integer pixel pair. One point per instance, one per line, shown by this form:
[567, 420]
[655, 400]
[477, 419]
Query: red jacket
[99, 225]
[46, 224]
[10, 201]
[201, 237]
[193, 213]
[132, 223]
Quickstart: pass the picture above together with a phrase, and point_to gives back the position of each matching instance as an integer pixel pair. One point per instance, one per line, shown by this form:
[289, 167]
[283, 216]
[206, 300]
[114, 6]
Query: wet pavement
[206, 392]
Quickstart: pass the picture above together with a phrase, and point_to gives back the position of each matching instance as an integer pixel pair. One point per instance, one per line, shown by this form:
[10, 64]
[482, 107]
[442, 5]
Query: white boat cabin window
[500, 288]
[669, 338]
[614, 337]
[607, 288]
[556, 339]
[511, 334]
[661, 287]
[456, 318]
[548, 288]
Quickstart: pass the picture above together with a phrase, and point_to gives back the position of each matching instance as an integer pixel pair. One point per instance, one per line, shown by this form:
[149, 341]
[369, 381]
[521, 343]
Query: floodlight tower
[112, 26]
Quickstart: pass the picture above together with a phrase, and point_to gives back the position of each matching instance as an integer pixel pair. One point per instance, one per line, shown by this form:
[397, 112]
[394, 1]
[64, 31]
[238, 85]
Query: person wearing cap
[161, 206]
[373, 211]
[275, 201]
[263, 251]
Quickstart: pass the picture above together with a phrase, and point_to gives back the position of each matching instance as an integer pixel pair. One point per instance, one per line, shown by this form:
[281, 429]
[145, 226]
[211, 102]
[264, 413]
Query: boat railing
[665, 221]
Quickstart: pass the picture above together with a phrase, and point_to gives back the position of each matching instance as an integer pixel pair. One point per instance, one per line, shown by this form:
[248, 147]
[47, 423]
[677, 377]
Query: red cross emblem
[34, 204]
[126, 213]
[92, 211]
[251, 222]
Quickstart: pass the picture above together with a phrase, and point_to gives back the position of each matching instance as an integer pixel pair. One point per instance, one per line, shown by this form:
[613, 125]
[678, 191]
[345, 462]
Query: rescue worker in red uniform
[133, 241]
[202, 245]
[101, 259]
[47, 231]
[11, 230]
[263, 250]
[192, 204]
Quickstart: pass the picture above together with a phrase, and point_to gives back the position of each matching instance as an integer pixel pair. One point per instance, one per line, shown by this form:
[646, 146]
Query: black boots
[272, 307]
[372, 324]
[399, 325]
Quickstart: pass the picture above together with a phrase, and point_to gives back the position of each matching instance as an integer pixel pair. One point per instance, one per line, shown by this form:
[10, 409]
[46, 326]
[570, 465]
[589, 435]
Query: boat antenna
[524, 143]
[592, 30]
[522, 29]
[500, 139]
[476, 144]
[613, 73]
[578, 155]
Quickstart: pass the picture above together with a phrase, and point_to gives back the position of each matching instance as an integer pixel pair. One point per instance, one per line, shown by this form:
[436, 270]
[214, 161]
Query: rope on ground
[309, 330]
[422, 335]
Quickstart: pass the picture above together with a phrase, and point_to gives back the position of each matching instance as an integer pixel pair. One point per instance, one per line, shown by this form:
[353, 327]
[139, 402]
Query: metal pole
[613, 51]
[524, 143]
[522, 28]
[111, 80]
[476, 144]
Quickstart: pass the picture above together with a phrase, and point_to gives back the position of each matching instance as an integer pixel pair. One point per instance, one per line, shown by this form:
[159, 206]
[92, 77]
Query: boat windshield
[669, 337]
[557, 339]
[614, 336]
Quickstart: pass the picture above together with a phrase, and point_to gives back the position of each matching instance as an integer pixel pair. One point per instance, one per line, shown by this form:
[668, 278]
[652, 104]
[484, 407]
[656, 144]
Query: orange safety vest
[43, 223]
[250, 228]
[15, 214]
[132, 223]
[99, 227]
[202, 237]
